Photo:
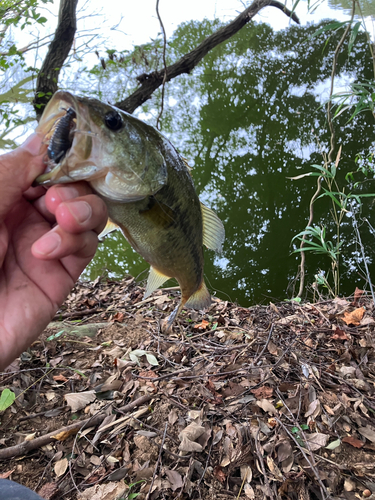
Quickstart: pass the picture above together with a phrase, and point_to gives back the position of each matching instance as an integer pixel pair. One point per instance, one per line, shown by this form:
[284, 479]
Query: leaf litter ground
[269, 401]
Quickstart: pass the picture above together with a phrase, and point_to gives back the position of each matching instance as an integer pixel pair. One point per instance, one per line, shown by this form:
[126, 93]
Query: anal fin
[155, 279]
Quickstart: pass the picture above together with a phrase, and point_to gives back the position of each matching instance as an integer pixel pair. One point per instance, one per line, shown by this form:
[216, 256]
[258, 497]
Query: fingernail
[48, 243]
[80, 210]
[32, 144]
[67, 193]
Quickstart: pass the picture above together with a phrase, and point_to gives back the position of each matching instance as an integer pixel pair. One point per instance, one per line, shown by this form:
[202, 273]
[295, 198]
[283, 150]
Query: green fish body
[145, 184]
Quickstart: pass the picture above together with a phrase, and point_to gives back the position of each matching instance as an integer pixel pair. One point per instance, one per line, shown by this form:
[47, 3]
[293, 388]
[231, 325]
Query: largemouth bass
[145, 184]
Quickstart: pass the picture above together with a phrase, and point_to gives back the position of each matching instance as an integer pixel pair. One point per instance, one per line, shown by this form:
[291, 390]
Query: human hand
[47, 238]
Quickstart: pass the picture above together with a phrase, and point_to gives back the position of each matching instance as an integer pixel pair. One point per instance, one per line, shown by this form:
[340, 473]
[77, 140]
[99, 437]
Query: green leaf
[137, 353]
[353, 36]
[328, 27]
[6, 399]
[334, 444]
[324, 170]
[55, 335]
[151, 359]
[333, 198]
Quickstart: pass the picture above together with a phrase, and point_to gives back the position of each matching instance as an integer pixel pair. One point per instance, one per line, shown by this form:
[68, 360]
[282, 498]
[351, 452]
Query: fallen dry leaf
[316, 441]
[249, 491]
[353, 441]
[219, 474]
[60, 467]
[339, 335]
[119, 317]
[367, 321]
[354, 317]
[368, 433]
[357, 295]
[78, 400]
[49, 491]
[267, 406]
[107, 491]
[175, 479]
[246, 473]
[272, 349]
[274, 469]
[202, 326]
[5, 475]
[263, 392]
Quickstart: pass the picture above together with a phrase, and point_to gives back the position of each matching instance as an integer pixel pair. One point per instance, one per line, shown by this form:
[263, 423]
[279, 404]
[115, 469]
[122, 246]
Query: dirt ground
[271, 401]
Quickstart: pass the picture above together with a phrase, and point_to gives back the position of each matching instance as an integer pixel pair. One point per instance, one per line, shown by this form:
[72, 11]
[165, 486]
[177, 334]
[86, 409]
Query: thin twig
[164, 64]
[311, 462]
[321, 485]
[207, 462]
[356, 229]
[59, 434]
[265, 345]
[158, 461]
[269, 492]
[334, 64]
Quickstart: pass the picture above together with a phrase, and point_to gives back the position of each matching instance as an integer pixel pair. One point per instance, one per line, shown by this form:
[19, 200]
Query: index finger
[18, 170]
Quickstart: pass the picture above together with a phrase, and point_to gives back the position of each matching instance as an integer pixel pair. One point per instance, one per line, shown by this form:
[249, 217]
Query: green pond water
[248, 118]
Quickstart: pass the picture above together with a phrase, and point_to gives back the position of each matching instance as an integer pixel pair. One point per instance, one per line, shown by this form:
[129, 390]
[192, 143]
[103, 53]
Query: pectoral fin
[213, 230]
[109, 228]
[155, 279]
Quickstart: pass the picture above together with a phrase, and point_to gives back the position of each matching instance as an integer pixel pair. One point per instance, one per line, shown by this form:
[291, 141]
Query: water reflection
[256, 120]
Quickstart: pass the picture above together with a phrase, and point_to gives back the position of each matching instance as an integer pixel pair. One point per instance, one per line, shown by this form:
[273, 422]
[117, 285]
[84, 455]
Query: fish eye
[113, 120]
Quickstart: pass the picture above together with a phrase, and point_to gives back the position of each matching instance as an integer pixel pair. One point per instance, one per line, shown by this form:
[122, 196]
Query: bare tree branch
[65, 432]
[57, 53]
[150, 82]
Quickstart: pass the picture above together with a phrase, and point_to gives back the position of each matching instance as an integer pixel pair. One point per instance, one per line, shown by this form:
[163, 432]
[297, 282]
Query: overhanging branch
[150, 82]
[57, 53]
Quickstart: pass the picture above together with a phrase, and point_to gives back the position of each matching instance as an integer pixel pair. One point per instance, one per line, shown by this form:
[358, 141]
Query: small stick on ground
[261, 462]
[265, 345]
[64, 432]
[158, 461]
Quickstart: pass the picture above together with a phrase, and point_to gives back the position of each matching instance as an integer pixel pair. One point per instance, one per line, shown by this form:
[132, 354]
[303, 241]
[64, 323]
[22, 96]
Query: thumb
[18, 170]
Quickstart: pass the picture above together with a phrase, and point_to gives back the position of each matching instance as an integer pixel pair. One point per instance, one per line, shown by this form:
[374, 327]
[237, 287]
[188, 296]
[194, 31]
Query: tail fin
[200, 299]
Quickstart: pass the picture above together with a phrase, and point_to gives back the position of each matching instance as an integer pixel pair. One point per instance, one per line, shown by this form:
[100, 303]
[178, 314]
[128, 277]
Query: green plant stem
[335, 272]
[303, 257]
[356, 229]
[333, 73]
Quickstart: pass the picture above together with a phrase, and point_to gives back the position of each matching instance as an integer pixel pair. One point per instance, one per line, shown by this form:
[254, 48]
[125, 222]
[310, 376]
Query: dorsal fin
[110, 226]
[213, 230]
[189, 168]
[155, 279]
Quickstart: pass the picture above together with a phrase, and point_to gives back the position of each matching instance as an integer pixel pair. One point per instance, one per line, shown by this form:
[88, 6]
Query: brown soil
[269, 401]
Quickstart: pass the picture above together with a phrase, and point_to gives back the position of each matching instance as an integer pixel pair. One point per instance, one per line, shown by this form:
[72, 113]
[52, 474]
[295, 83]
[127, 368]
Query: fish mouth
[87, 140]
[66, 141]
